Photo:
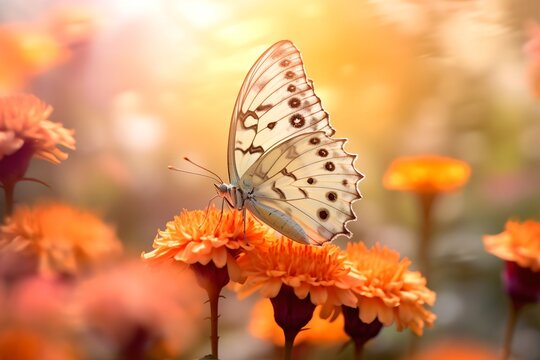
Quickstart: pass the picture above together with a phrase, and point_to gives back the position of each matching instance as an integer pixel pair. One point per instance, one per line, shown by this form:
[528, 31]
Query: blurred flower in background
[137, 312]
[24, 120]
[19, 343]
[26, 131]
[27, 50]
[452, 349]
[54, 239]
[519, 246]
[426, 174]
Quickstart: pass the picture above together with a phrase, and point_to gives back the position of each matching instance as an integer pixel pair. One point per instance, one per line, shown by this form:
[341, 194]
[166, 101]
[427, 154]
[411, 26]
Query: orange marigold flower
[519, 243]
[24, 120]
[390, 292]
[57, 239]
[318, 330]
[321, 272]
[426, 174]
[204, 237]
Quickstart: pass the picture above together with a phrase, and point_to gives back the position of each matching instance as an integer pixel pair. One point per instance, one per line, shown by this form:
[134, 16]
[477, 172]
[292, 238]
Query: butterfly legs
[207, 209]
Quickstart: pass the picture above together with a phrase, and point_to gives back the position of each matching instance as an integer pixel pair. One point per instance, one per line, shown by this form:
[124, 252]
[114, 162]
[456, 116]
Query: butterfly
[284, 166]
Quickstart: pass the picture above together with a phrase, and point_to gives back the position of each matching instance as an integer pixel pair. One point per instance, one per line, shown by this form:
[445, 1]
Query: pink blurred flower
[142, 310]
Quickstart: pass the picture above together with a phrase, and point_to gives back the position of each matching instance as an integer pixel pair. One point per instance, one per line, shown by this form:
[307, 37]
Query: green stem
[289, 342]
[513, 314]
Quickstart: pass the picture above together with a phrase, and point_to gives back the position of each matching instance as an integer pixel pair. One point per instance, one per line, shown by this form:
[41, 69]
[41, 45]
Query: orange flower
[141, 310]
[26, 51]
[426, 174]
[318, 330]
[24, 120]
[519, 243]
[321, 272]
[57, 238]
[196, 237]
[456, 349]
[390, 292]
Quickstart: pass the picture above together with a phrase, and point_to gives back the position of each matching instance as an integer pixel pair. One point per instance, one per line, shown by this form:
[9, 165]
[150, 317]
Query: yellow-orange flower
[320, 272]
[318, 331]
[390, 292]
[426, 174]
[200, 237]
[24, 119]
[59, 238]
[519, 242]
[27, 51]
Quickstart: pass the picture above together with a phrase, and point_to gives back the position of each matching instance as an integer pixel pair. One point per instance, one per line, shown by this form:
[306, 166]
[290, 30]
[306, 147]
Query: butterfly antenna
[170, 167]
[203, 168]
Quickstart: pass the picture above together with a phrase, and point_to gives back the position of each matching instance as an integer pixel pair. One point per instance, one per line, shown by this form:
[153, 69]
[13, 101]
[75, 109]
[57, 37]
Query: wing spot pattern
[314, 141]
[323, 153]
[297, 121]
[330, 166]
[323, 214]
[291, 88]
[285, 63]
[289, 74]
[294, 102]
[331, 195]
[311, 181]
[345, 182]
[271, 125]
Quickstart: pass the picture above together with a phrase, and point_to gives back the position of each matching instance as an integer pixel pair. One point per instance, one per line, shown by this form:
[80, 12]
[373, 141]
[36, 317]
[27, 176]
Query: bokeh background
[146, 82]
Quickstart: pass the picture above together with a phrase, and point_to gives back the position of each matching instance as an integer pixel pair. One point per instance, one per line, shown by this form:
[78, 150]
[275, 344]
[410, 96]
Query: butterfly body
[284, 166]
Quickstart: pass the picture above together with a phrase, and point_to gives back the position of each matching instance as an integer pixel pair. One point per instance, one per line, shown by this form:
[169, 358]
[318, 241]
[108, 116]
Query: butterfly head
[222, 189]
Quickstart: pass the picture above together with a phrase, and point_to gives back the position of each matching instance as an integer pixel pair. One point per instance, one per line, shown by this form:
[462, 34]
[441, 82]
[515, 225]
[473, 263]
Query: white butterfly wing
[304, 187]
[275, 103]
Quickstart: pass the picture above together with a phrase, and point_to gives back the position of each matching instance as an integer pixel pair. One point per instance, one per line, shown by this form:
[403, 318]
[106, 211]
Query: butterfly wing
[304, 187]
[276, 102]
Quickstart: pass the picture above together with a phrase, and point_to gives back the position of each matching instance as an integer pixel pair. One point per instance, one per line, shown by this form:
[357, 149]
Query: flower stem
[9, 189]
[214, 315]
[426, 228]
[289, 342]
[358, 350]
[513, 314]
